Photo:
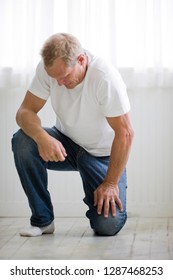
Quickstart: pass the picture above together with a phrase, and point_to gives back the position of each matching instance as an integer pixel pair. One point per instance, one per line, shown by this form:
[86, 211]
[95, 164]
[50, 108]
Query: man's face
[68, 76]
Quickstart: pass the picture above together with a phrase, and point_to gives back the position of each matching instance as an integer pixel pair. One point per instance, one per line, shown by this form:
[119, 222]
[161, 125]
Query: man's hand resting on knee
[106, 196]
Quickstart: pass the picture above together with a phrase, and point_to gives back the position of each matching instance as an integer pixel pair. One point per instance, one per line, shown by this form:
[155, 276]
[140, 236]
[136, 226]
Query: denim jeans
[32, 171]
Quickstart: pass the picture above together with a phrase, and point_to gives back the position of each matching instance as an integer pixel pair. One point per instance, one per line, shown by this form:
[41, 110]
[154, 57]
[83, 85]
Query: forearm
[108, 192]
[118, 159]
[30, 123]
[50, 149]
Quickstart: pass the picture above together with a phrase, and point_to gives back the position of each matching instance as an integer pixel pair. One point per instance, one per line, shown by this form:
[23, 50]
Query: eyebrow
[61, 77]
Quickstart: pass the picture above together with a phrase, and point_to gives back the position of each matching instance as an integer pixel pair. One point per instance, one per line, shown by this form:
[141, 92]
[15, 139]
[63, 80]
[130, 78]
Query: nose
[60, 82]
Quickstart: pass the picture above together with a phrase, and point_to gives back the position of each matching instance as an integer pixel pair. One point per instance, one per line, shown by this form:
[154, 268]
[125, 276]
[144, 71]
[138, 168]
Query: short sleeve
[40, 85]
[112, 96]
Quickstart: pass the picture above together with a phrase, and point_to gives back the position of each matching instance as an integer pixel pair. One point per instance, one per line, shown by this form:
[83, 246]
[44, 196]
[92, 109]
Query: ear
[81, 59]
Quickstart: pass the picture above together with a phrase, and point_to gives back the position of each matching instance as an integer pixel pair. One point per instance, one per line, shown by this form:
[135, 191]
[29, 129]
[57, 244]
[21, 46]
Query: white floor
[141, 238]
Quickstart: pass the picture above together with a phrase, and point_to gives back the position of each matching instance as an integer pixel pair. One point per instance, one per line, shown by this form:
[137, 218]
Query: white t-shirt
[81, 112]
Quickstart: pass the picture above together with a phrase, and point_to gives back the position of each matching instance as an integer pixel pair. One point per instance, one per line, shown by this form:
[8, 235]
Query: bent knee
[22, 144]
[109, 226]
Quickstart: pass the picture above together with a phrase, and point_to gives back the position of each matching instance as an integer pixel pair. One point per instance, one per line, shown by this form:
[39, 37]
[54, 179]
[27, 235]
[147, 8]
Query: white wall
[150, 176]
[150, 168]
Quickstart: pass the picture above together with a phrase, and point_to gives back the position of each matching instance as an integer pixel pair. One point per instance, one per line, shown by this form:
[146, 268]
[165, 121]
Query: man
[92, 135]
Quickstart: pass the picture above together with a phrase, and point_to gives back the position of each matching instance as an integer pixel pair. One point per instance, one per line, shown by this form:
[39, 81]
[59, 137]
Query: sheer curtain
[135, 35]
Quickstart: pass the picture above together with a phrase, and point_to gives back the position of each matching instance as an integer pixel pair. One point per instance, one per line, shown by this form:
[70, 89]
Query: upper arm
[32, 103]
[121, 125]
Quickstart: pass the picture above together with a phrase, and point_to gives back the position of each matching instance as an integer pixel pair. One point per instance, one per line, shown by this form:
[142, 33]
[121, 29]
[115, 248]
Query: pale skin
[50, 149]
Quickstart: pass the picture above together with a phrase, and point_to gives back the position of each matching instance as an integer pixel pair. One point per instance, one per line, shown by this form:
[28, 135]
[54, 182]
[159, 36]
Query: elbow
[126, 136]
[18, 117]
[129, 136]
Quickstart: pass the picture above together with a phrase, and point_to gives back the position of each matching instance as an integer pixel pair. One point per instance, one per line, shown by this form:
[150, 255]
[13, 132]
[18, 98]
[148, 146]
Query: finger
[119, 203]
[45, 158]
[60, 156]
[113, 207]
[53, 157]
[56, 159]
[100, 206]
[106, 208]
[63, 151]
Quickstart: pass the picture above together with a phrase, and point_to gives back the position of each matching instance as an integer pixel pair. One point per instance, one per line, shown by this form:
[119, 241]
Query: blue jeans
[32, 171]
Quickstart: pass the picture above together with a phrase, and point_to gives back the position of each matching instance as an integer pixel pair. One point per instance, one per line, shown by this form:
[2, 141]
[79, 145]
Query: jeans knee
[22, 145]
[108, 226]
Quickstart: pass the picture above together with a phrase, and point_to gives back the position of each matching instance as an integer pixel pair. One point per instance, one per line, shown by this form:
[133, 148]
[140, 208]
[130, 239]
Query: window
[135, 34]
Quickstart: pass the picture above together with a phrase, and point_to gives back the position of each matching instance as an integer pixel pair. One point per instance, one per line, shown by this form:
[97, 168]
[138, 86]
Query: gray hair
[61, 45]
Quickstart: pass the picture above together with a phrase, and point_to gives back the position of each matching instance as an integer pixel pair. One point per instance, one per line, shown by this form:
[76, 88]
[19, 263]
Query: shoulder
[40, 85]
[40, 69]
[104, 72]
